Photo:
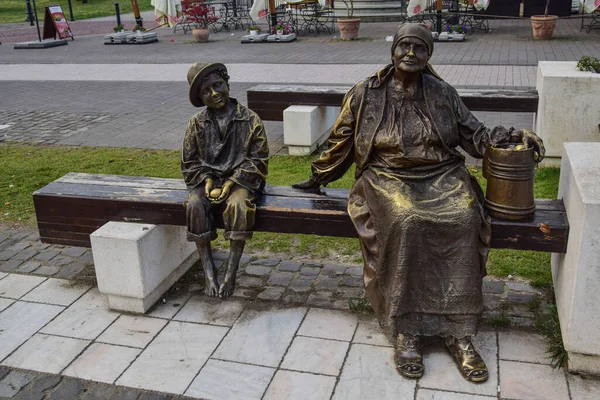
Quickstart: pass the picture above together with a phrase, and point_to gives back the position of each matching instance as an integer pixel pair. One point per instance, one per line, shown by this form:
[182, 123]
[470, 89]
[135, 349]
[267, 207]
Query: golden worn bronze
[224, 164]
[510, 172]
[419, 214]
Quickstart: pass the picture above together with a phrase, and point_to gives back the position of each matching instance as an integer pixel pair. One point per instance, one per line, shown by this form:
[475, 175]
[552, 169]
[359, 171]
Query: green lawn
[16, 10]
[27, 168]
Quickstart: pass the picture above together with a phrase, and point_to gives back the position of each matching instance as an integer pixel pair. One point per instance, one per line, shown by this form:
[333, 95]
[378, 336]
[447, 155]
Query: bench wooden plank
[72, 207]
[269, 101]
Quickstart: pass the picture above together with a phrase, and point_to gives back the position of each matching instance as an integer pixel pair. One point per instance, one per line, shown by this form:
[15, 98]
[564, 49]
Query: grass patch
[16, 11]
[26, 168]
[549, 325]
[500, 321]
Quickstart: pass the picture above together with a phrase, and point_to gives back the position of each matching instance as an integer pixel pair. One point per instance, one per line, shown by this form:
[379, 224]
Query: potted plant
[281, 29]
[119, 28]
[543, 25]
[349, 26]
[139, 29]
[456, 32]
[589, 63]
[198, 13]
[254, 30]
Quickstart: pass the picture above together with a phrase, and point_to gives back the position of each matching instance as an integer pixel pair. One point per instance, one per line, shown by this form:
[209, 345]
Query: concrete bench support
[576, 274]
[137, 263]
[306, 127]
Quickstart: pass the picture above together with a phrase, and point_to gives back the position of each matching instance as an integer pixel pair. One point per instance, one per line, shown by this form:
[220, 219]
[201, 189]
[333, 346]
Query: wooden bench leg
[137, 263]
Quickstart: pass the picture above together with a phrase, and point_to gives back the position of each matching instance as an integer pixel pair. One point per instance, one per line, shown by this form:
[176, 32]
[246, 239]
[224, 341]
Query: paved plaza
[288, 332]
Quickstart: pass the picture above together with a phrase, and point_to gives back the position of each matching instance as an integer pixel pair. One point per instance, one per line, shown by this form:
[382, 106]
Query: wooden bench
[69, 209]
[269, 101]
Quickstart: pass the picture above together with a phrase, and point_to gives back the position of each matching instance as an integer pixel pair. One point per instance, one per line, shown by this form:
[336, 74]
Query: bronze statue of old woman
[419, 214]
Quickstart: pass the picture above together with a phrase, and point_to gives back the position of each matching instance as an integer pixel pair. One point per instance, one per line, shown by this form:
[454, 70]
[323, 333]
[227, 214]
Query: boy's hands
[217, 195]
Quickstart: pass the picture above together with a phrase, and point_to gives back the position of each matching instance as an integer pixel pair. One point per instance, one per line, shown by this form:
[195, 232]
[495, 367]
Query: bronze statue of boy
[224, 162]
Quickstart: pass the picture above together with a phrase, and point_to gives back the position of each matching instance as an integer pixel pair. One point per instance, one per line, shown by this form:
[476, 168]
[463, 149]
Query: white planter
[456, 37]
[444, 36]
[279, 33]
[253, 33]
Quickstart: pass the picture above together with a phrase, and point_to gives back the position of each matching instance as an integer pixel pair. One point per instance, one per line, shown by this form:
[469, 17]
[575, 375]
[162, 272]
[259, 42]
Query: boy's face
[214, 92]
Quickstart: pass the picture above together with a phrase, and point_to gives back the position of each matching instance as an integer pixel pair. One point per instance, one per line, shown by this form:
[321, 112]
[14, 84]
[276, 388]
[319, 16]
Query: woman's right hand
[311, 183]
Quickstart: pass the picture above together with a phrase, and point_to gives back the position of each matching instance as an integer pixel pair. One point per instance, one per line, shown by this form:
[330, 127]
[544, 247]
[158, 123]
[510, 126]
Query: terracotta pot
[349, 28]
[200, 34]
[543, 26]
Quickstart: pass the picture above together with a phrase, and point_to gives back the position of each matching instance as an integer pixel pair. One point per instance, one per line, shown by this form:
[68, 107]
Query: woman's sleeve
[474, 136]
[192, 168]
[335, 161]
[252, 173]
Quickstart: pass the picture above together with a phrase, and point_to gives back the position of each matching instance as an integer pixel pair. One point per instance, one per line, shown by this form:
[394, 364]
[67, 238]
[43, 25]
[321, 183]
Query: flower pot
[200, 34]
[279, 32]
[253, 33]
[348, 28]
[543, 26]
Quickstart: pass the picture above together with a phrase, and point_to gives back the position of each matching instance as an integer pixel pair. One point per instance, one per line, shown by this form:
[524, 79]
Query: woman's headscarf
[418, 31]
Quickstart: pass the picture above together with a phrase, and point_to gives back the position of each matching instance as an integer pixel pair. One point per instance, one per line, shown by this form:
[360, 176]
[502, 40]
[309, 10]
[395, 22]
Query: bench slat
[74, 206]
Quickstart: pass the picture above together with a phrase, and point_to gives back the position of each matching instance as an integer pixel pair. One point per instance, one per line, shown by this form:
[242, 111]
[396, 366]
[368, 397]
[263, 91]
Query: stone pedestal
[137, 263]
[306, 127]
[568, 109]
[576, 274]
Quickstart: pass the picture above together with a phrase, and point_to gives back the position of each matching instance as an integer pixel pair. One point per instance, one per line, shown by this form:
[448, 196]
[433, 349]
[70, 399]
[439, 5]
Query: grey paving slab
[167, 307]
[175, 356]
[428, 394]
[20, 321]
[201, 309]
[226, 380]
[3, 274]
[522, 381]
[291, 385]
[328, 324]
[87, 318]
[134, 331]
[369, 332]
[261, 337]
[46, 353]
[325, 356]
[4, 303]
[102, 362]
[370, 373]
[442, 373]
[523, 346]
[13, 382]
[583, 388]
[61, 292]
[15, 286]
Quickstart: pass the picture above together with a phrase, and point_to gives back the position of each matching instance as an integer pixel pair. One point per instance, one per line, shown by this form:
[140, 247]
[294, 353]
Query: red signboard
[55, 24]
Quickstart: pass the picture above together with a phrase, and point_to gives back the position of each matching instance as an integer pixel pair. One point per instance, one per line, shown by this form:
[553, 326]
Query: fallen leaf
[545, 228]
[7, 203]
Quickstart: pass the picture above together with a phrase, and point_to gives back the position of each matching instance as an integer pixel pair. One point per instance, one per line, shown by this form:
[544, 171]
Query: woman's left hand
[530, 139]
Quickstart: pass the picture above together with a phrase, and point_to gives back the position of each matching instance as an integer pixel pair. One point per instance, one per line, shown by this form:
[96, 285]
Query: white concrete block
[568, 110]
[306, 127]
[136, 263]
[576, 274]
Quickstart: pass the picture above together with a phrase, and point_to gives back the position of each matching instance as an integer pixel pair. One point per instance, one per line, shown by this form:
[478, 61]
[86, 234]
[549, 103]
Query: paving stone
[319, 299]
[267, 262]
[10, 265]
[290, 266]
[295, 298]
[247, 342]
[57, 291]
[340, 305]
[334, 269]
[74, 251]
[326, 283]
[45, 382]
[19, 246]
[351, 293]
[98, 391]
[68, 389]
[491, 302]
[154, 396]
[29, 267]
[7, 255]
[280, 279]
[230, 380]
[310, 271]
[250, 281]
[583, 388]
[25, 254]
[300, 286]
[313, 264]
[493, 286]
[126, 394]
[46, 255]
[519, 298]
[249, 294]
[258, 270]
[60, 261]
[325, 357]
[3, 372]
[293, 385]
[355, 271]
[205, 310]
[271, 293]
[328, 324]
[47, 270]
[369, 332]
[40, 245]
[13, 382]
[531, 381]
[133, 331]
[520, 287]
[29, 395]
[15, 286]
[71, 271]
[427, 394]
[523, 346]
[102, 362]
[353, 281]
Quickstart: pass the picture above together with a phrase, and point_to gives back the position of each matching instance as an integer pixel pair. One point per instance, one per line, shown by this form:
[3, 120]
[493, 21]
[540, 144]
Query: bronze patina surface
[419, 214]
[224, 164]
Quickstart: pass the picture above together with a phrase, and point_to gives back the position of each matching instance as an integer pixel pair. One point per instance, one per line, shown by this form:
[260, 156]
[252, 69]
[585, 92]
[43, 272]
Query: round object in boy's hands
[215, 193]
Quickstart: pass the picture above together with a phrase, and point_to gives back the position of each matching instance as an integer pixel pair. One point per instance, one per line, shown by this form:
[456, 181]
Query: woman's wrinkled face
[410, 55]
[214, 92]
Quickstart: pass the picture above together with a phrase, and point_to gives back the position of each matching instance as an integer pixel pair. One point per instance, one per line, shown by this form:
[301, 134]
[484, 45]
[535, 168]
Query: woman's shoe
[408, 357]
[469, 362]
